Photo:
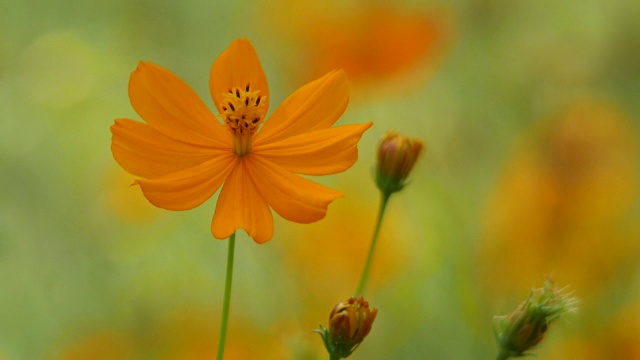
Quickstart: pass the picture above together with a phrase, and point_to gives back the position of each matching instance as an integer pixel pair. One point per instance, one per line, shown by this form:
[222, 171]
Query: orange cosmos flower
[183, 153]
[564, 204]
[379, 41]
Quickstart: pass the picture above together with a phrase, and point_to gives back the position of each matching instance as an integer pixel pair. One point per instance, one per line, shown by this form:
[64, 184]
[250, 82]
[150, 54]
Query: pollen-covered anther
[242, 112]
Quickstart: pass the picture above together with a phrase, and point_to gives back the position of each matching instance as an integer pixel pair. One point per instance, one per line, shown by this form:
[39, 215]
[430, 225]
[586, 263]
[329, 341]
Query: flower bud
[349, 323]
[396, 156]
[526, 326]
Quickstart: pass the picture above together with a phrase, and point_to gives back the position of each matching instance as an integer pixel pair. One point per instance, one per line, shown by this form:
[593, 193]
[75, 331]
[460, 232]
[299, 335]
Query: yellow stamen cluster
[242, 112]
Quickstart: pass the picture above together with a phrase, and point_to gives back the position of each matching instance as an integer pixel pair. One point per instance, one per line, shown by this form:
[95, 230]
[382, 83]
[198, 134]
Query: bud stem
[333, 357]
[502, 355]
[384, 199]
[227, 297]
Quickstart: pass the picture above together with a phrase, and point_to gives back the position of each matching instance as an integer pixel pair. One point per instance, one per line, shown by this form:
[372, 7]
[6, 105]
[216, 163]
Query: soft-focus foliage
[529, 109]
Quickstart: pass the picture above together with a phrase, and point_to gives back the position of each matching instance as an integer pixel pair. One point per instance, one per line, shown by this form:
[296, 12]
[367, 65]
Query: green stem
[502, 355]
[227, 297]
[384, 199]
[333, 357]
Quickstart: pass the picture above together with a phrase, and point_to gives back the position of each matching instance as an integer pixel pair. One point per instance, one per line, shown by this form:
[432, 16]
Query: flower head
[526, 326]
[183, 153]
[396, 156]
[349, 323]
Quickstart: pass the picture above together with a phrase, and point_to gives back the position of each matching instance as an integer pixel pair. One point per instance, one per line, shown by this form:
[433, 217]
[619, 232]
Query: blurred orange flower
[372, 41]
[103, 345]
[615, 339]
[564, 205]
[183, 154]
[378, 42]
[181, 334]
[187, 335]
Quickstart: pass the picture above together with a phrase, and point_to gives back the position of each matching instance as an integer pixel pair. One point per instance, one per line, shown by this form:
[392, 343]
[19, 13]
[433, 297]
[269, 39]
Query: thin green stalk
[333, 357]
[227, 297]
[384, 199]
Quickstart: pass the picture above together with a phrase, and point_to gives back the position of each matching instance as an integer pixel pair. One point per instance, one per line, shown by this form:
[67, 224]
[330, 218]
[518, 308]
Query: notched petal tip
[258, 238]
[261, 238]
[334, 195]
[293, 197]
[143, 69]
[241, 206]
[219, 233]
[142, 66]
[241, 42]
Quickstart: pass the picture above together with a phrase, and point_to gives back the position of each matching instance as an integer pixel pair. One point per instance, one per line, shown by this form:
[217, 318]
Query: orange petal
[320, 152]
[188, 188]
[170, 106]
[293, 197]
[237, 66]
[240, 205]
[143, 151]
[353, 321]
[315, 106]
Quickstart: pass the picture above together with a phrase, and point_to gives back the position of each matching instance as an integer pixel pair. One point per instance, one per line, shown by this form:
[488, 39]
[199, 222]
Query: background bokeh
[531, 114]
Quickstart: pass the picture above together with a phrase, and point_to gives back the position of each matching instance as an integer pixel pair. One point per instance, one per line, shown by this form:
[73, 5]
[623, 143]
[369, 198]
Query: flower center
[243, 112]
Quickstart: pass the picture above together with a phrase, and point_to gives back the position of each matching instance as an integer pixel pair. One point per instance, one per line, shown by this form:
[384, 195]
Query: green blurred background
[530, 111]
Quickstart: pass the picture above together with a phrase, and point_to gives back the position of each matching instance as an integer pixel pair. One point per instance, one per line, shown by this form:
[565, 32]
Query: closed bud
[527, 325]
[349, 323]
[397, 155]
